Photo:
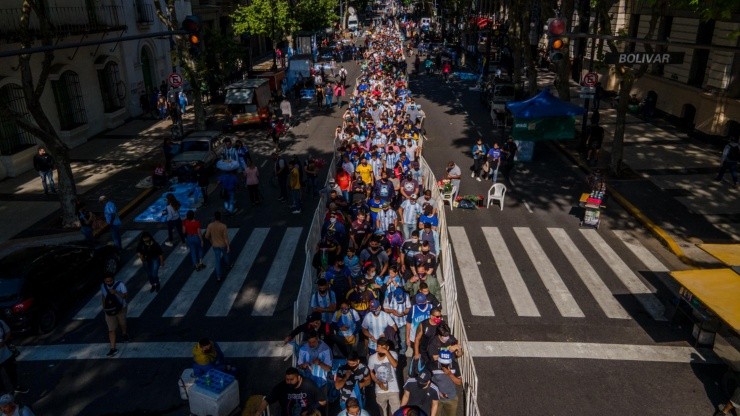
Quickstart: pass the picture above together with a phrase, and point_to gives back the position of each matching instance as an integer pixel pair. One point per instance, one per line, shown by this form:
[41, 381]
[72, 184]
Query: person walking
[729, 161]
[43, 163]
[297, 396]
[174, 221]
[114, 298]
[218, 235]
[287, 111]
[86, 218]
[112, 219]
[194, 238]
[339, 92]
[7, 359]
[281, 172]
[295, 187]
[494, 161]
[151, 255]
[252, 180]
[479, 158]
[228, 183]
[202, 177]
[320, 96]
[382, 367]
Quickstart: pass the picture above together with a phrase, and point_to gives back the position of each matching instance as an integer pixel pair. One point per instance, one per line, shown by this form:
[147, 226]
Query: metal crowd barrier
[446, 276]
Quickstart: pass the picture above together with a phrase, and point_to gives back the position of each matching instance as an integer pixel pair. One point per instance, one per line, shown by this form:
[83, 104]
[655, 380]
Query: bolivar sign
[665, 58]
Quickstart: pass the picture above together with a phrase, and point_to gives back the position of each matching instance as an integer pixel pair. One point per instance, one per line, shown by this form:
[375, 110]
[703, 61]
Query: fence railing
[446, 276]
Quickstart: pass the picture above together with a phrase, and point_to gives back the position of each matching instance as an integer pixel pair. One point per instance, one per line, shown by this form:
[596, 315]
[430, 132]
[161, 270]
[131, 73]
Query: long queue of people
[375, 341]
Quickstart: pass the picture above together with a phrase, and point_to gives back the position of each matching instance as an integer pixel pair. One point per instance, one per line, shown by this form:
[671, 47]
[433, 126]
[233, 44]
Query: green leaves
[316, 14]
[263, 17]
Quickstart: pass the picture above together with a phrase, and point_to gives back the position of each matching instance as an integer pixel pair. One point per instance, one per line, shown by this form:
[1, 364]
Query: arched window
[68, 98]
[111, 87]
[12, 137]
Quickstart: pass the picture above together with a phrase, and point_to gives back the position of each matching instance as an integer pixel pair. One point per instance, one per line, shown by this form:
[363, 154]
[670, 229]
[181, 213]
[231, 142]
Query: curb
[654, 229]
[127, 208]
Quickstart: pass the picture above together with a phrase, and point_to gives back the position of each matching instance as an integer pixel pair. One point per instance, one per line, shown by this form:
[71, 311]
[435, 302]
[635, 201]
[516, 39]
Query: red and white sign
[175, 80]
[590, 79]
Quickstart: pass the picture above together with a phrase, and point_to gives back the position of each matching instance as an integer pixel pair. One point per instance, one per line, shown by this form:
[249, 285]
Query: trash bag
[466, 204]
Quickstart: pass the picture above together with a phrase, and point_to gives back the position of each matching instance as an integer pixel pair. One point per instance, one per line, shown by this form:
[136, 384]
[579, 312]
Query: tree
[269, 18]
[316, 14]
[33, 89]
[192, 65]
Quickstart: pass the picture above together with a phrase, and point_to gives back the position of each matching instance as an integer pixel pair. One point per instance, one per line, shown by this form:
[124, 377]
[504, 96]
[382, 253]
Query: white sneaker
[472, 174]
[477, 179]
[168, 243]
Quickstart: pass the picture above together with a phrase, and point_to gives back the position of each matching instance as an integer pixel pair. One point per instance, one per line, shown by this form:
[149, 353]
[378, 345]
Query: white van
[352, 22]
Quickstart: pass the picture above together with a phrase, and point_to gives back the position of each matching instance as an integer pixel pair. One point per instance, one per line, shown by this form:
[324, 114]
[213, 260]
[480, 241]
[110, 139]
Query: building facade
[90, 89]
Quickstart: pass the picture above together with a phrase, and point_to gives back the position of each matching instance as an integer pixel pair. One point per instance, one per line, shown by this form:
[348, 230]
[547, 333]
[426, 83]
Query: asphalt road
[563, 319]
[248, 313]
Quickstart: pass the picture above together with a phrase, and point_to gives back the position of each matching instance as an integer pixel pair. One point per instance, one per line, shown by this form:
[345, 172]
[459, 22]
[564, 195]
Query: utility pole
[587, 101]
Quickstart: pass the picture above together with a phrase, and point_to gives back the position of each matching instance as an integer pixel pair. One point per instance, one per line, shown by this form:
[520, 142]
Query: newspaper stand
[593, 202]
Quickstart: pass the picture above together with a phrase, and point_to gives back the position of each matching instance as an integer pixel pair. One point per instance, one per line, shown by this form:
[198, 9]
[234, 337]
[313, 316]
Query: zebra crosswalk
[544, 251]
[231, 291]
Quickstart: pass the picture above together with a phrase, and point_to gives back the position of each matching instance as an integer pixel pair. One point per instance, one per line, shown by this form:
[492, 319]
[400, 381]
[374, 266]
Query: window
[68, 98]
[12, 137]
[111, 87]
[700, 57]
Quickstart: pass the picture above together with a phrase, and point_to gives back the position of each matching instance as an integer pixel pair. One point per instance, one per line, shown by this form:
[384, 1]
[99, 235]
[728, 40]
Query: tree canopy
[316, 14]
[269, 18]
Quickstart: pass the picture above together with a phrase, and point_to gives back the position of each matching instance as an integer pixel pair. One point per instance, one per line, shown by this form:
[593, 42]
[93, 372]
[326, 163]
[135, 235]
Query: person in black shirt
[296, 395]
[150, 253]
[43, 163]
[595, 139]
[420, 391]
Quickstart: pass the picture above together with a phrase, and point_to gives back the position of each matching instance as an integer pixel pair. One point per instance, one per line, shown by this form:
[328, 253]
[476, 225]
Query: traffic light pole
[587, 101]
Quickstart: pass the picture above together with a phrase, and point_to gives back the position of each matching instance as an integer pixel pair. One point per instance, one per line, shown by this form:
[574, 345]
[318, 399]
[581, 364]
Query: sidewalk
[110, 163]
[669, 185]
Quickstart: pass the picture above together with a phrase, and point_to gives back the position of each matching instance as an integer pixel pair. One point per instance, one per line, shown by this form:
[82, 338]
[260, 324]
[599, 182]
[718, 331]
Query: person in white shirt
[286, 110]
[375, 324]
[382, 367]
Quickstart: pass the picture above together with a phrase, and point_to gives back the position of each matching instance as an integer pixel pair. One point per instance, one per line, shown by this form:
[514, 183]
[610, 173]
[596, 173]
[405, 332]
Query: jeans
[220, 256]
[115, 235]
[345, 195]
[494, 175]
[402, 339]
[47, 179]
[229, 203]
[329, 100]
[313, 186]
[283, 185]
[296, 197]
[177, 225]
[196, 249]
[478, 165]
[732, 167]
[152, 271]
[407, 230]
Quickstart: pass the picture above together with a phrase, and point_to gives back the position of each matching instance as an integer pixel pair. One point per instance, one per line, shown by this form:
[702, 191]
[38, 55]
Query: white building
[91, 88]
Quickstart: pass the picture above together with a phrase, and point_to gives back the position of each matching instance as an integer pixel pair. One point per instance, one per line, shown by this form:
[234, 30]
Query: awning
[728, 254]
[717, 289]
[543, 105]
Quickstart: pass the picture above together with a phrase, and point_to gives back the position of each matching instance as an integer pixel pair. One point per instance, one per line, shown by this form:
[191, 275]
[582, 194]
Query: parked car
[200, 146]
[37, 283]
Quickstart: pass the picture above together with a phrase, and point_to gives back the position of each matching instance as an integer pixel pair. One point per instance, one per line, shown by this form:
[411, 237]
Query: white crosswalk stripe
[554, 274]
[192, 287]
[141, 301]
[518, 292]
[480, 304]
[637, 287]
[646, 257]
[235, 280]
[553, 282]
[94, 306]
[268, 296]
[604, 297]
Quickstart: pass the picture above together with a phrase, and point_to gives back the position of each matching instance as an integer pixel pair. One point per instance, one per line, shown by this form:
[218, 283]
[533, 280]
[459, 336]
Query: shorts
[116, 320]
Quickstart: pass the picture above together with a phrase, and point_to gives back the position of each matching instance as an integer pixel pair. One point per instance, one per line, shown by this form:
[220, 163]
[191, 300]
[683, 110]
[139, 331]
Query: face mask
[376, 313]
[444, 339]
[322, 291]
[345, 310]
[435, 320]
[361, 288]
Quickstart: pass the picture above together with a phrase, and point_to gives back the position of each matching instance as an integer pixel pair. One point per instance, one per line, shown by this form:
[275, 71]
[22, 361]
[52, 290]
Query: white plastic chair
[450, 197]
[496, 193]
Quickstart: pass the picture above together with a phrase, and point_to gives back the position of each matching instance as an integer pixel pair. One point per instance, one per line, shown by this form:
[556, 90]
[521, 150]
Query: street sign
[587, 92]
[590, 79]
[175, 80]
[666, 58]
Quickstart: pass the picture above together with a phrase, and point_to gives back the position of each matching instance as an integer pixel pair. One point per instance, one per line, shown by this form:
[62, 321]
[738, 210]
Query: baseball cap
[386, 205]
[314, 316]
[420, 298]
[374, 305]
[413, 196]
[398, 294]
[101, 199]
[423, 378]
[445, 357]
[6, 399]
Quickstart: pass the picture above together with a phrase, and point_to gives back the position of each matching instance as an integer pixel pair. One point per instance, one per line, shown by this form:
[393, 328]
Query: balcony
[144, 13]
[65, 21]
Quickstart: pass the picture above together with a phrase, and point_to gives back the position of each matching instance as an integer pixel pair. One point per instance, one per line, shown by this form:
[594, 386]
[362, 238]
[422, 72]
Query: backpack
[111, 304]
[734, 154]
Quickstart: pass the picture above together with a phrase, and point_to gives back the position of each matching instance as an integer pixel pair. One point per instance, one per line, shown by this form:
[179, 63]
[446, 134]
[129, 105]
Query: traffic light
[557, 43]
[191, 25]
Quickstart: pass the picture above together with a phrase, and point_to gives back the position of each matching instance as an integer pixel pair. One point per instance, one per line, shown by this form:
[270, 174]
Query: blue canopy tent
[542, 117]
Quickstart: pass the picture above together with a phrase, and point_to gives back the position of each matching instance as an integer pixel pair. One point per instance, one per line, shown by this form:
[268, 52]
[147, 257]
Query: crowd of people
[375, 341]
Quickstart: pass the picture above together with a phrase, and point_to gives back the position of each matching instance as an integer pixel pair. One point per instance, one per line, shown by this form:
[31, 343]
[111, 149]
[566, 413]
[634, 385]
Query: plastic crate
[215, 381]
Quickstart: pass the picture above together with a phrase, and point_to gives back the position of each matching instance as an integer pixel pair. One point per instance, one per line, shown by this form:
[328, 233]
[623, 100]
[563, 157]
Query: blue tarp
[187, 193]
[543, 105]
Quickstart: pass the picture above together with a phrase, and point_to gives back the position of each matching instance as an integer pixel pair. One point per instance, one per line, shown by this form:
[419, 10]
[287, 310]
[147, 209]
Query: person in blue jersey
[417, 314]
